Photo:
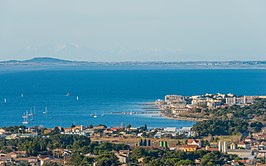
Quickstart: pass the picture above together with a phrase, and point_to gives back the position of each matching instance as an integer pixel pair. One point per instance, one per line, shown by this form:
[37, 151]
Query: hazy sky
[133, 30]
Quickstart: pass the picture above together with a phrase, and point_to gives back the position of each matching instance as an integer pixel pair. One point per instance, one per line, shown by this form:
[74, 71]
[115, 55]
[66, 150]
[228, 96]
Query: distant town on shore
[190, 107]
[53, 62]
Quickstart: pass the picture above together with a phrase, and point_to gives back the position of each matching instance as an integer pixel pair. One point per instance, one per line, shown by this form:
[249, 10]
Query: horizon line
[62, 59]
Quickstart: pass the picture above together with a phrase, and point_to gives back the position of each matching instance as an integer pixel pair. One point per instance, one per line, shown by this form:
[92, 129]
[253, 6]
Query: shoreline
[177, 117]
[183, 118]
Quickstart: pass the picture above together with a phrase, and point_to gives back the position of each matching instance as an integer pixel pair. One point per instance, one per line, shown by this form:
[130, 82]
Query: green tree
[107, 159]
[256, 126]
[184, 162]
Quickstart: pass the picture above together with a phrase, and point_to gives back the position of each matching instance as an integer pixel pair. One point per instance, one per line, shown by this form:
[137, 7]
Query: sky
[133, 30]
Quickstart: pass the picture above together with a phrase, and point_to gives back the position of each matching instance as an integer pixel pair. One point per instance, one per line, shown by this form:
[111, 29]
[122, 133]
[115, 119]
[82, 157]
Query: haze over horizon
[151, 30]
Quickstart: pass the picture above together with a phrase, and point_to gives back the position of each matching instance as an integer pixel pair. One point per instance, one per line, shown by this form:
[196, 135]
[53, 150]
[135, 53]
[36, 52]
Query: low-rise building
[187, 148]
[194, 142]
[243, 145]
[122, 158]
[2, 131]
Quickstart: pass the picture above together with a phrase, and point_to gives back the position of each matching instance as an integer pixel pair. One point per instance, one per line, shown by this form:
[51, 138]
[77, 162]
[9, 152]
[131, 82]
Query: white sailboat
[30, 114]
[77, 98]
[32, 117]
[25, 122]
[45, 111]
[25, 115]
[25, 118]
[68, 94]
[95, 116]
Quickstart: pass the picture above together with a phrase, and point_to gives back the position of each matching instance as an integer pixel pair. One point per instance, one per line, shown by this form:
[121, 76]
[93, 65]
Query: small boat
[25, 115]
[46, 111]
[30, 114]
[68, 94]
[34, 111]
[77, 98]
[22, 95]
[95, 116]
[32, 118]
[5, 100]
[25, 118]
[25, 122]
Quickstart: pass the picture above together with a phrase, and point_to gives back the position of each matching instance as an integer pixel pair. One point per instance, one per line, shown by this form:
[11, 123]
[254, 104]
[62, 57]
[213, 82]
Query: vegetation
[78, 145]
[233, 120]
[220, 127]
[170, 158]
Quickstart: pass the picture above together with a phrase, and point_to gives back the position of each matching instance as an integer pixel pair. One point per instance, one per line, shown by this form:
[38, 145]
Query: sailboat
[30, 114]
[77, 98]
[5, 100]
[25, 115]
[95, 116]
[32, 117]
[25, 118]
[34, 111]
[45, 111]
[68, 94]
[25, 121]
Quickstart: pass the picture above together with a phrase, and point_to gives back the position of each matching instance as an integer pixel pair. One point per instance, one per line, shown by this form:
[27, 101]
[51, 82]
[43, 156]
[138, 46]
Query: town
[246, 151]
[230, 131]
[190, 107]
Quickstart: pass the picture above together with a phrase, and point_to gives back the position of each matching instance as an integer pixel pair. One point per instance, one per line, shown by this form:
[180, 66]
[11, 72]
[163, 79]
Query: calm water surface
[102, 92]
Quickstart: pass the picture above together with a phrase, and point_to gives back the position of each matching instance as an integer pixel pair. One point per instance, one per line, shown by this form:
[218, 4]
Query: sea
[116, 97]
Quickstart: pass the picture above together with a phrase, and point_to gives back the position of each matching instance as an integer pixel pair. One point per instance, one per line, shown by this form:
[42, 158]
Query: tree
[104, 161]
[184, 162]
[138, 153]
[107, 159]
[56, 130]
[129, 126]
[155, 162]
[76, 159]
[145, 127]
[72, 126]
[87, 161]
[256, 126]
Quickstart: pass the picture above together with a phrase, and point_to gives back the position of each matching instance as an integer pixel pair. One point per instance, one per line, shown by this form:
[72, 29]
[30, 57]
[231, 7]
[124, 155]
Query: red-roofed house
[194, 142]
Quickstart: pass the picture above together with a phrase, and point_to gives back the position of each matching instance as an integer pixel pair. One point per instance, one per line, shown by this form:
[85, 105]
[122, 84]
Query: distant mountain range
[48, 61]
[38, 60]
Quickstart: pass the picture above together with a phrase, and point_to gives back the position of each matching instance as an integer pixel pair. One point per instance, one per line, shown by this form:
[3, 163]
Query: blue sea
[104, 91]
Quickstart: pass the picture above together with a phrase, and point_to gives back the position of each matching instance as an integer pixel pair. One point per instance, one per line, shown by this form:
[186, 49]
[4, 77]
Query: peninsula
[203, 107]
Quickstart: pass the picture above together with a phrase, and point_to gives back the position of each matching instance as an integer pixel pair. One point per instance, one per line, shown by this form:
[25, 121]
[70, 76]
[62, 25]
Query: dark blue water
[102, 92]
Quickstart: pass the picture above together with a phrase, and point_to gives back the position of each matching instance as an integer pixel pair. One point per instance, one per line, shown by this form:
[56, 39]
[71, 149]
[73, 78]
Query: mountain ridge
[52, 60]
